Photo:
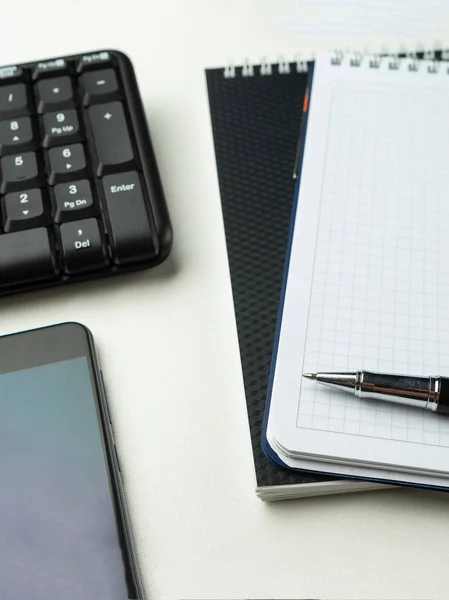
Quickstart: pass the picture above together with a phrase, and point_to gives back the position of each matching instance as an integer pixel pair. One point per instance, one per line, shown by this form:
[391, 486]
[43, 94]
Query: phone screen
[58, 530]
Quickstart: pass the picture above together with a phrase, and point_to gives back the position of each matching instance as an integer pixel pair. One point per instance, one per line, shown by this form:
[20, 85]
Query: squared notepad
[365, 285]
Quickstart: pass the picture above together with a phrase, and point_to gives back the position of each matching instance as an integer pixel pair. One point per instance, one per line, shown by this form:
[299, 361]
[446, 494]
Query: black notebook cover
[256, 119]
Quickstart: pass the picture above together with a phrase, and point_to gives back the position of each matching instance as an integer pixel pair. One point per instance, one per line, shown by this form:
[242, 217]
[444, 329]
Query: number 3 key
[73, 201]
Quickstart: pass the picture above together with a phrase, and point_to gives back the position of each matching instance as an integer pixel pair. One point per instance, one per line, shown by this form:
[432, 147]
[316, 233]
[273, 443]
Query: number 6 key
[66, 162]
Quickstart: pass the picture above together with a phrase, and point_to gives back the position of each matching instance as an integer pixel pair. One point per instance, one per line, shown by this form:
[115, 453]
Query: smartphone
[64, 530]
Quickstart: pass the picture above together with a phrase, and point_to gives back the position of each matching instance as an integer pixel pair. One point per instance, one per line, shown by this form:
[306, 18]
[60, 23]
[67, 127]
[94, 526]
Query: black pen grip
[443, 402]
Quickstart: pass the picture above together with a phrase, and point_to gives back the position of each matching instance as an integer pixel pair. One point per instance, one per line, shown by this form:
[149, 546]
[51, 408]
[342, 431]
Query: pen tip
[309, 375]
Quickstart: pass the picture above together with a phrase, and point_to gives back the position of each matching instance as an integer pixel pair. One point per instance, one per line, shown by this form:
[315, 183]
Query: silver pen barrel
[421, 392]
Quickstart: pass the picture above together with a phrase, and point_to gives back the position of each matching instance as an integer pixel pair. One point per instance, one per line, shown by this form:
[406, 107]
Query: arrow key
[23, 210]
[16, 135]
[65, 162]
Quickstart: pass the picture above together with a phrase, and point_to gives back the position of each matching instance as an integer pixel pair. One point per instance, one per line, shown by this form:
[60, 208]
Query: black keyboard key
[23, 210]
[99, 86]
[13, 100]
[129, 226]
[82, 246]
[111, 137]
[61, 127]
[26, 256]
[16, 135]
[11, 73]
[49, 68]
[19, 171]
[54, 93]
[73, 201]
[94, 61]
[65, 162]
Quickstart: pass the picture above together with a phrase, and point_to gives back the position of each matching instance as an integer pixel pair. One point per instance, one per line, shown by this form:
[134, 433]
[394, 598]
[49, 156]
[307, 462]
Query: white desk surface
[167, 338]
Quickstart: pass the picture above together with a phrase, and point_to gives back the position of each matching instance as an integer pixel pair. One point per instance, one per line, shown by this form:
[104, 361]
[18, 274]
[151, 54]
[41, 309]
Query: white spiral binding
[430, 60]
[265, 67]
[413, 61]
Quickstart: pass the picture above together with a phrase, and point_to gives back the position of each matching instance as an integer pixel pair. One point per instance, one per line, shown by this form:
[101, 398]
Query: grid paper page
[377, 296]
[376, 302]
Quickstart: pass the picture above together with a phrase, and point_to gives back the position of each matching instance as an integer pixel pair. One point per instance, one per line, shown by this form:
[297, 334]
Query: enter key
[130, 231]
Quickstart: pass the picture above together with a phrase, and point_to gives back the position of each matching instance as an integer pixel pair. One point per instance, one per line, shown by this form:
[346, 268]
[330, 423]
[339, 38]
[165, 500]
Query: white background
[167, 338]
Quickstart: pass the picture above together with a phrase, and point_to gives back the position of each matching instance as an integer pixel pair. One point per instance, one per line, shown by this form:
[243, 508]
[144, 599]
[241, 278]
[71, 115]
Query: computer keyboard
[80, 191]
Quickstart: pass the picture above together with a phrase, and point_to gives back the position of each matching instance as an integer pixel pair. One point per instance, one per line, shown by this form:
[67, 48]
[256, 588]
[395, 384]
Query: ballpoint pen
[430, 392]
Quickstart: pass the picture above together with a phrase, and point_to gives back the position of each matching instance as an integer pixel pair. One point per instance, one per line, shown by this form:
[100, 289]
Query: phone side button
[105, 396]
[116, 458]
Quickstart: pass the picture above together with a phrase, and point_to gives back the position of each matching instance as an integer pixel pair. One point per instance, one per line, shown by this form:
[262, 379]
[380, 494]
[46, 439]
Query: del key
[111, 137]
[130, 229]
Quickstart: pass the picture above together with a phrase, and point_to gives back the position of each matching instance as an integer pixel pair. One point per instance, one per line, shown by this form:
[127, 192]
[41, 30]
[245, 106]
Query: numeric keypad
[79, 190]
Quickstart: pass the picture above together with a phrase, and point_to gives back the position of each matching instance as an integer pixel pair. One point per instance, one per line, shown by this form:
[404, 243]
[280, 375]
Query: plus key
[111, 137]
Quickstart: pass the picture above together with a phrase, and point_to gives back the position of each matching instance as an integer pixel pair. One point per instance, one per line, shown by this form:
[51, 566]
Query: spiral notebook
[256, 116]
[363, 286]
